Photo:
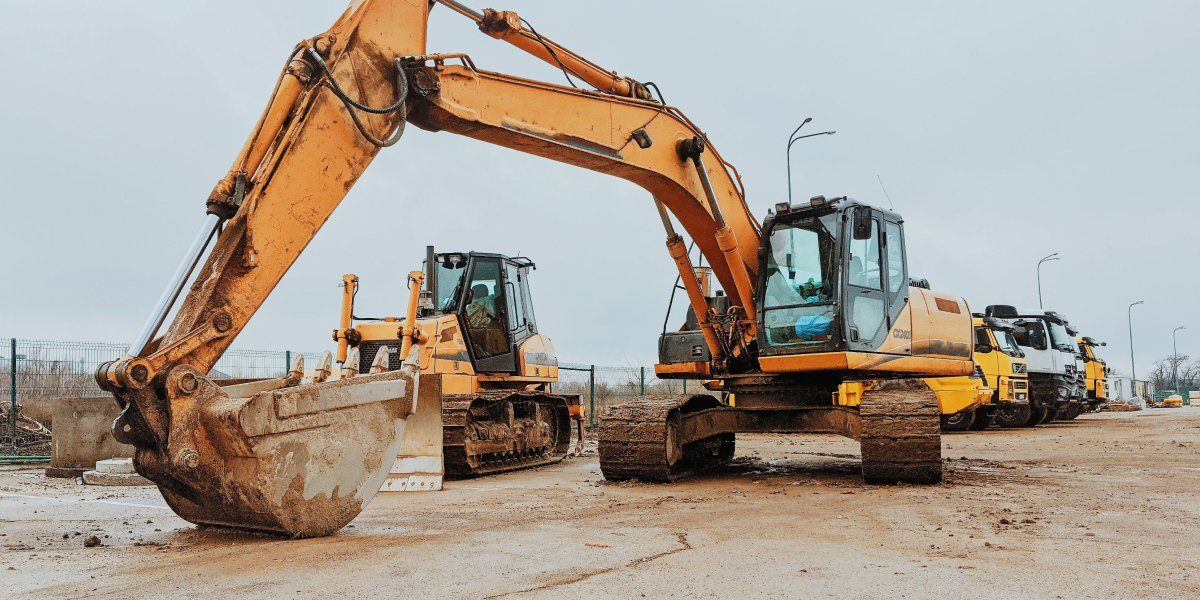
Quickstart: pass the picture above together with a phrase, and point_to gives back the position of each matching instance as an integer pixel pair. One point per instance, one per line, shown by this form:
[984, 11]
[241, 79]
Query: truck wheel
[1013, 415]
[983, 419]
[959, 421]
[1038, 416]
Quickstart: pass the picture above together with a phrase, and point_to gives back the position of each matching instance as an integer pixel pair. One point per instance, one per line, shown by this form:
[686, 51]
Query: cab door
[517, 302]
[896, 282]
[487, 318]
[866, 323]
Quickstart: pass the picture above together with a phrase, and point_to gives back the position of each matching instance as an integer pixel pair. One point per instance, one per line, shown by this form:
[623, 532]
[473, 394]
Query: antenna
[885, 192]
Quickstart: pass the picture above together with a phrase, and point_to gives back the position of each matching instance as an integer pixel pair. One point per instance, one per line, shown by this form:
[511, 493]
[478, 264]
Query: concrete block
[82, 435]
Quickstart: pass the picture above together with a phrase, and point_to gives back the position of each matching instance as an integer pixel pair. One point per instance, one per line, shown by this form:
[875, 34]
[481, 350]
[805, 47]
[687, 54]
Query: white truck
[1050, 353]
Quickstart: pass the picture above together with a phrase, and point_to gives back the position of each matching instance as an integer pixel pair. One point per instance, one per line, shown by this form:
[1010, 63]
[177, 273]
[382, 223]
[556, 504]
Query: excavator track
[494, 432]
[901, 439]
[638, 441]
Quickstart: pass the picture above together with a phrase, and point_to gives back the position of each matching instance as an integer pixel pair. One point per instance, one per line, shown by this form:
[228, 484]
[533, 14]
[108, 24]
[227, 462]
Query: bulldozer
[816, 293]
[471, 316]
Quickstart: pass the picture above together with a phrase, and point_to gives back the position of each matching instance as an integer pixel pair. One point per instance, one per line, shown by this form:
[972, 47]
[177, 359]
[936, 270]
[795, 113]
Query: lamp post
[1132, 364]
[1175, 359]
[792, 139]
[1039, 274]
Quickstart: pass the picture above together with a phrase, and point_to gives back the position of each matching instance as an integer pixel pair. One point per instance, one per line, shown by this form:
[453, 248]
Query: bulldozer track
[459, 428]
[637, 440]
[901, 439]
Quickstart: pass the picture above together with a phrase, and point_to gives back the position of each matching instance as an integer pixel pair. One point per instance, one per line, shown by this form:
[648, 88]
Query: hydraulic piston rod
[207, 231]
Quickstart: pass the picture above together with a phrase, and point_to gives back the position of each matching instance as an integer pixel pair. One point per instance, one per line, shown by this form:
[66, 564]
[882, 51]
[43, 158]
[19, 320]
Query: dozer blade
[420, 465]
[300, 461]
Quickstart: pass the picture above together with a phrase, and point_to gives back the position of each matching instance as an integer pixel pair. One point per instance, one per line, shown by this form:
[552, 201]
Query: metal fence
[37, 372]
[603, 386]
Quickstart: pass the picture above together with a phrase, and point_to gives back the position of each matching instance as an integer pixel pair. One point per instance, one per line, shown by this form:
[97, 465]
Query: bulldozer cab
[489, 293]
[833, 277]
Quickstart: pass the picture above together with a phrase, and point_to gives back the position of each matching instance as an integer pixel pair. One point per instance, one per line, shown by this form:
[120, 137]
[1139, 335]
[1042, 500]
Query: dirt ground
[1106, 506]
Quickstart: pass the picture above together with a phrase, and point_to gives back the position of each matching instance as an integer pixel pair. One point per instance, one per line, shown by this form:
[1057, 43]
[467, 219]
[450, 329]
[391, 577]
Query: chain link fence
[603, 386]
[37, 372]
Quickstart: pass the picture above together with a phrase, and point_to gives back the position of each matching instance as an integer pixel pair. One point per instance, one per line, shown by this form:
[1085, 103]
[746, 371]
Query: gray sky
[1003, 133]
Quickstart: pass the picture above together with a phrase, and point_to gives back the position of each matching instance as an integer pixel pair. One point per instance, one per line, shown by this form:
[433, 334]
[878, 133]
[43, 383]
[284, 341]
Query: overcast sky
[1003, 133]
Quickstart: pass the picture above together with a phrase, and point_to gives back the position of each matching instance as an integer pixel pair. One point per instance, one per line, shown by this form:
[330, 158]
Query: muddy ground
[1103, 507]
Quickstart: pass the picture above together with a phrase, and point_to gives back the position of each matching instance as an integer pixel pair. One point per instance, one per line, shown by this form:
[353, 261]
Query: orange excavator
[817, 293]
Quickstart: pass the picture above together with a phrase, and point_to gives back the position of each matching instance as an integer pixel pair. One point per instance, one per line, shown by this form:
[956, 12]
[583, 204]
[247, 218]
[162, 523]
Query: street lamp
[1175, 359]
[1132, 365]
[792, 139]
[1047, 258]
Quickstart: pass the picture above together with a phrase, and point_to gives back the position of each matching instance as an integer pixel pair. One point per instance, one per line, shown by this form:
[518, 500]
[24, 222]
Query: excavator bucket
[296, 460]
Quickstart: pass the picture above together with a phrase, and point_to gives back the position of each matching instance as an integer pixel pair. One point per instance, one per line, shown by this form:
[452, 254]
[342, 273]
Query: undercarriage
[667, 438]
[493, 432]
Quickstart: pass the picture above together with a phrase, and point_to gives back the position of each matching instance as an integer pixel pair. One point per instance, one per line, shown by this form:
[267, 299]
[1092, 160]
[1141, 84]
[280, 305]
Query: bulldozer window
[484, 311]
[515, 296]
[528, 300]
[449, 279]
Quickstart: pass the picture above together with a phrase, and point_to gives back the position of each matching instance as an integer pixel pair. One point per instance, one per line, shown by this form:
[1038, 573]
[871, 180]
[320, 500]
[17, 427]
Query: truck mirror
[862, 223]
[982, 348]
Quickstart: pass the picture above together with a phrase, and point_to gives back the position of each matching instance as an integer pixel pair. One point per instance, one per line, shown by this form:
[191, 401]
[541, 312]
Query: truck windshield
[1007, 343]
[1031, 334]
[798, 295]
[1061, 339]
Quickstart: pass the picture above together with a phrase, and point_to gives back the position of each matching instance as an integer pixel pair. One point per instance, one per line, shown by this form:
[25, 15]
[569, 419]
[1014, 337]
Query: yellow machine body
[1007, 375]
[1095, 370]
[932, 336]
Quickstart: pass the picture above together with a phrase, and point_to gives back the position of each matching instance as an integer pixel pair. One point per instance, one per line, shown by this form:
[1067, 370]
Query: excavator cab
[833, 277]
[834, 300]
[490, 295]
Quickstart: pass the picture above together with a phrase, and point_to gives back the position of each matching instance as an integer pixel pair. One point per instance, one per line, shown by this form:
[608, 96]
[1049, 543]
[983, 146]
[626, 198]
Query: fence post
[287, 362]
[12, 391]
[592, 396]
[643, 387]
[685, 386]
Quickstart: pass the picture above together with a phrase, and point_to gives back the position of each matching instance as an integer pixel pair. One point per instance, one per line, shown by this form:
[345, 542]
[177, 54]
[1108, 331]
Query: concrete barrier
[81, 436]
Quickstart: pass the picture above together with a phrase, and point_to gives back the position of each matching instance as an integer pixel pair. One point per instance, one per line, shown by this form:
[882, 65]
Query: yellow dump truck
[1096, 372]
[1004, 370]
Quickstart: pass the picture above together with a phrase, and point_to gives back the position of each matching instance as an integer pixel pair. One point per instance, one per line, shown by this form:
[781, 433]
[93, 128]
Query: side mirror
[982, 348]
[862, 223]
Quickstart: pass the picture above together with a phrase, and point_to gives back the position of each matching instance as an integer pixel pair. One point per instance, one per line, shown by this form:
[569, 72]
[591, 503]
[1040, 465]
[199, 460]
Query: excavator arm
[304, 460]
[641, 141]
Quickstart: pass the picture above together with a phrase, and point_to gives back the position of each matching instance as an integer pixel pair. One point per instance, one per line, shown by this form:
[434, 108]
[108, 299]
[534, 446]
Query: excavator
[817, 293]
[470, 314]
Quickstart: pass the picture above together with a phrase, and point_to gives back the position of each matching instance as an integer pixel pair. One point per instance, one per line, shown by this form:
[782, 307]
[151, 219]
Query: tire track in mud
[683, 546]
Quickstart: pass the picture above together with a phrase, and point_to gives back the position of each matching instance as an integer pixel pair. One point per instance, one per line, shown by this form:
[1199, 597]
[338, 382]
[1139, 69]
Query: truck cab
[1004, 369]
[1095, 371]
[1050, 358]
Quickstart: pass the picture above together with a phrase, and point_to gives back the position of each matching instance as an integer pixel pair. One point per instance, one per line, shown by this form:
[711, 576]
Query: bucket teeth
[324, 368]
[380, 364]
[350, 367]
